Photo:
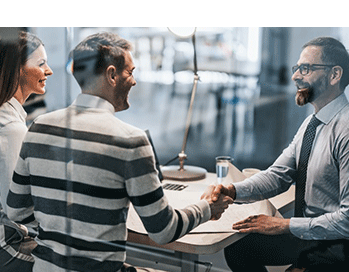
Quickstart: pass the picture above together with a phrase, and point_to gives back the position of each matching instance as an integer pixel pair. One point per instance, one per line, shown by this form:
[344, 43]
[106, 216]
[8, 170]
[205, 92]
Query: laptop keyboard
[174, 187]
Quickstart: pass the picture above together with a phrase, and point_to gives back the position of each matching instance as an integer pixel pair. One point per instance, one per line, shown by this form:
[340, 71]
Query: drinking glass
[222, 168]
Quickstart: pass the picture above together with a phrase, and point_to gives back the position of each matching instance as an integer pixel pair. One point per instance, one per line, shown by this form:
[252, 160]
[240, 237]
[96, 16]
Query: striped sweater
[78, 171]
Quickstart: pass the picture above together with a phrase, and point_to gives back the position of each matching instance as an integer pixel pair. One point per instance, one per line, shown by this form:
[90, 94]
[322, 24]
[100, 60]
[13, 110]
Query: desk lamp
[185, 172]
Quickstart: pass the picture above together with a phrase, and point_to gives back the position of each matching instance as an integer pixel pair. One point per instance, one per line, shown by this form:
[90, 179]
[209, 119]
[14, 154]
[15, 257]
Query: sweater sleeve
[163, 223]
[19, 200]
[11, 137]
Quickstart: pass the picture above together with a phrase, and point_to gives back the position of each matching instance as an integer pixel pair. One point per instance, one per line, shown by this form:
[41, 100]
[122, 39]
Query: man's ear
[111, 75]
[337, 73]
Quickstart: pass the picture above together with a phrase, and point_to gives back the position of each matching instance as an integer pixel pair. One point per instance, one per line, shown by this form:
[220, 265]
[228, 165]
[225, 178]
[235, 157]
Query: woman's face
[35, 72]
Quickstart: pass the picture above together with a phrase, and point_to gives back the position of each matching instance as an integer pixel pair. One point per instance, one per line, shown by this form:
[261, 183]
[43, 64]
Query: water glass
[222, 168]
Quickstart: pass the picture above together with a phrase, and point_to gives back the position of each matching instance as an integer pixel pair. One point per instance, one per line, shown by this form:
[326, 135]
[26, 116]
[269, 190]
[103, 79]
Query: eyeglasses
[304, 69]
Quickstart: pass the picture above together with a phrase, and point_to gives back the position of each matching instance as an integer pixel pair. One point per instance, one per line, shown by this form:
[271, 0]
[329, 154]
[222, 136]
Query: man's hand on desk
[263, 224]
[254, 224]
[219, 205]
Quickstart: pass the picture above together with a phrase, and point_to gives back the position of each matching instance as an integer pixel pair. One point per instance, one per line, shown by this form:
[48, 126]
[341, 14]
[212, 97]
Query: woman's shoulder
[8, 116]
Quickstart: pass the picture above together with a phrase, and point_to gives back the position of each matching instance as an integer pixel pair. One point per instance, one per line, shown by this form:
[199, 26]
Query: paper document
[234, 174]
[235, 212]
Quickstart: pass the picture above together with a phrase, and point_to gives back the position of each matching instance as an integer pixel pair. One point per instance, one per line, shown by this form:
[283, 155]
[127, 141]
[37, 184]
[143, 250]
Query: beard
[309, 92]
[303, 96]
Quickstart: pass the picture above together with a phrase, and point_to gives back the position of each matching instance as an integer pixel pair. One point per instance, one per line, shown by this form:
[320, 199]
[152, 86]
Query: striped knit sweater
[78, 171]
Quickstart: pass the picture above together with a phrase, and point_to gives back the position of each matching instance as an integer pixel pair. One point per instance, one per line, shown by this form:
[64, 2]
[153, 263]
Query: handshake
[219, 198]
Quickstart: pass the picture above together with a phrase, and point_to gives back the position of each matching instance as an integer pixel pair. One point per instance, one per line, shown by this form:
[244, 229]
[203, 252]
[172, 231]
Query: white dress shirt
[326, 213]
[12, 131]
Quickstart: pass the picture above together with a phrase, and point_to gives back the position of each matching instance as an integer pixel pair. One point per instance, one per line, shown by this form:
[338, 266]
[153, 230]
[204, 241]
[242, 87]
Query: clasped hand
[254, 224]
[219, 205]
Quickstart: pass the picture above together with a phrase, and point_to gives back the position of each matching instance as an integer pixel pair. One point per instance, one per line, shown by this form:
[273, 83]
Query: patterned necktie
[307, 143]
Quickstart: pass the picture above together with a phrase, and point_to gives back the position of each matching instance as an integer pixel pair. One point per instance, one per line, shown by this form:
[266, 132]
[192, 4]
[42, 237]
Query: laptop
[168, 185]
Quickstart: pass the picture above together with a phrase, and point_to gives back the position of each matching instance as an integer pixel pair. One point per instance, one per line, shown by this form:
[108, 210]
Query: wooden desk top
[205, 243]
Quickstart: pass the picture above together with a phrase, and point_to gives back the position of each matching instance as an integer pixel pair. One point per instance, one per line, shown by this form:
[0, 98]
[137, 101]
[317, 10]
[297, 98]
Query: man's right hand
[219, 205]
[222, 190]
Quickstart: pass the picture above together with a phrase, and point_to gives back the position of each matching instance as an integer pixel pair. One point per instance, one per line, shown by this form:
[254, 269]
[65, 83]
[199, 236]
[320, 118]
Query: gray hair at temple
[95, 53]
[333, 53]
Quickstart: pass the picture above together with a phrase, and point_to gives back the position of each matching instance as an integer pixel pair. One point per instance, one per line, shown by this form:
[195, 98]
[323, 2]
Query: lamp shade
[183, 32]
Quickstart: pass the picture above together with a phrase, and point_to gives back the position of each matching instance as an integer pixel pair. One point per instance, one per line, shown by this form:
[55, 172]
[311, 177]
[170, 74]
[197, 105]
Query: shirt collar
[18, 107]
[326, 114]
[92, 101]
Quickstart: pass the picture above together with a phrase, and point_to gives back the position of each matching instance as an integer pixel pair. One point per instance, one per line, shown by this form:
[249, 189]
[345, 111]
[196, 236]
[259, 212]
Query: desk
[188, 248]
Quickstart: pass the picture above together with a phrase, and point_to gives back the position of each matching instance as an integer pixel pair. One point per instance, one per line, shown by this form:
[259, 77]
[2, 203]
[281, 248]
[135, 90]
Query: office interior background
[244, 105]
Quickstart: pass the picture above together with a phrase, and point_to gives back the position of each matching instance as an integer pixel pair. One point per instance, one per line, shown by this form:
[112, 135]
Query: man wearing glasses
[317, 161]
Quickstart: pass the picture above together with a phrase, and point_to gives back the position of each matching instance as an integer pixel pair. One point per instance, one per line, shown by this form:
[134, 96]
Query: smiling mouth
[303, 95]
[303, 89]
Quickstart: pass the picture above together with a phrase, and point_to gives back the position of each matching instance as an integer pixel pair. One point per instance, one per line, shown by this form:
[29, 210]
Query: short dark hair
[95, 53]
[9, 69]
[333, 52]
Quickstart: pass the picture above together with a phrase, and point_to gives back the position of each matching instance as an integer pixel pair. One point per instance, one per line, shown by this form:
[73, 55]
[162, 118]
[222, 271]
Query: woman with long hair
[23, 71]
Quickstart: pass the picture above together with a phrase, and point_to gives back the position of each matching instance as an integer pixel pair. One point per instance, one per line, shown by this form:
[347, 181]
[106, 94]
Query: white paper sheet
[235, 212]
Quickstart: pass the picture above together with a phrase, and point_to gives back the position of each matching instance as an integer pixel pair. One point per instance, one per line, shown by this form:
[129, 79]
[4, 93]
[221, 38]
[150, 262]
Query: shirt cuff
[243, 192]
[300, 227]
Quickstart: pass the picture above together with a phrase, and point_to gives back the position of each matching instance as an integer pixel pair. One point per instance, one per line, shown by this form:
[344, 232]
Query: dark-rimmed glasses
[304, 69]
